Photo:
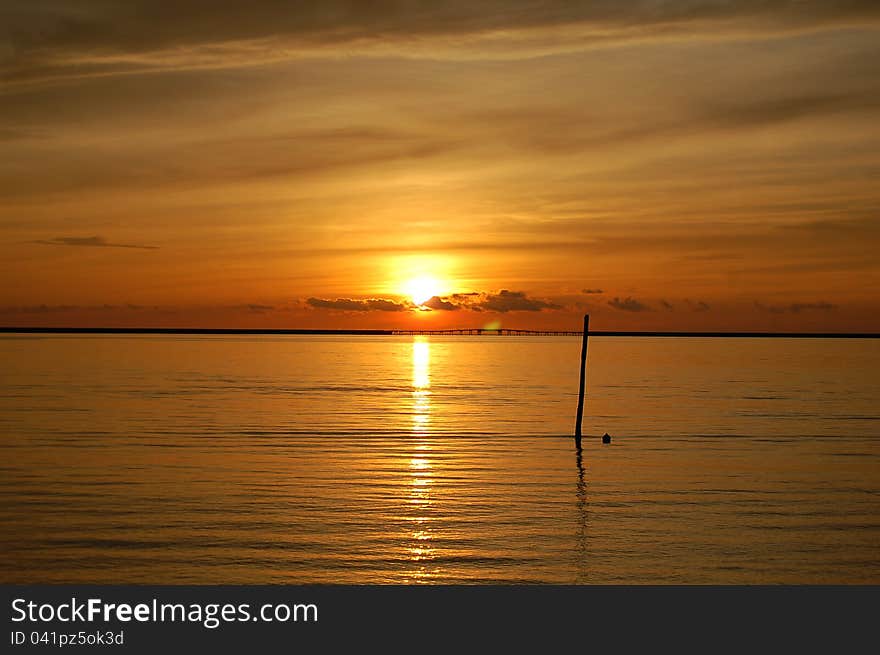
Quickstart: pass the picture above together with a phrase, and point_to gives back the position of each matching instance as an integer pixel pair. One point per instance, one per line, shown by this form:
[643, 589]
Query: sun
[421, 289]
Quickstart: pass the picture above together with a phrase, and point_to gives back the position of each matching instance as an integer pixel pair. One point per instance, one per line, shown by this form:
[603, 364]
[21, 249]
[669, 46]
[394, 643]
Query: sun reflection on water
[420, 548]
[421, 383]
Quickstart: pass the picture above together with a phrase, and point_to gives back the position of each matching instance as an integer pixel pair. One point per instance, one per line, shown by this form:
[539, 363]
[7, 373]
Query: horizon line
[446, 332]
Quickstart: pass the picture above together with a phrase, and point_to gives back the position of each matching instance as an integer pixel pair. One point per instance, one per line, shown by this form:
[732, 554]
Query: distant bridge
[509, 332]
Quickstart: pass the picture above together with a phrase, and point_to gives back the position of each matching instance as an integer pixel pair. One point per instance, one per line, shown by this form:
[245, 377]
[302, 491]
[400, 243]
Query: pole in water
[580, 412]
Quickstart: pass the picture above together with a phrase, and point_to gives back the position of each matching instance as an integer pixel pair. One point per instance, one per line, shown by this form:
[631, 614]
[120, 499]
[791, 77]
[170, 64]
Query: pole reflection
[581, 504]
[420, 549]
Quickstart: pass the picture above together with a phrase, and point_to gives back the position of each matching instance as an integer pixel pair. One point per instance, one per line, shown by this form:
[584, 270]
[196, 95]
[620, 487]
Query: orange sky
[695, 165]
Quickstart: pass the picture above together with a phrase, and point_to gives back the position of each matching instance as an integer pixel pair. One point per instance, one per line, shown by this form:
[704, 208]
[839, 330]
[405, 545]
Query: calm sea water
[170, 459]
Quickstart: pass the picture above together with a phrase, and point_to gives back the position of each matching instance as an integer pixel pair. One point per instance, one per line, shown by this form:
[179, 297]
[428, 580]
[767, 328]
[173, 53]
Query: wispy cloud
[39, 309]
[91, 242]
[93, 37]
[257, 308]
[628, 304]
[810, 306]
[697, 305]
[45, 308]
[796, 307]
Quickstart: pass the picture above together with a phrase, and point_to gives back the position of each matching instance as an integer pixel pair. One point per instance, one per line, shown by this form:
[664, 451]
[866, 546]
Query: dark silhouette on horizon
[449, 332]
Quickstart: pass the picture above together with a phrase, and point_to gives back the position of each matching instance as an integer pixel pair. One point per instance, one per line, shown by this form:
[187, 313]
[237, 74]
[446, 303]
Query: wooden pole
[580, 412]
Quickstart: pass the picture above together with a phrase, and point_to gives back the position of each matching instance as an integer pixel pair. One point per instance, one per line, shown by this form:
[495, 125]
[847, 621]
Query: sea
[174, 459]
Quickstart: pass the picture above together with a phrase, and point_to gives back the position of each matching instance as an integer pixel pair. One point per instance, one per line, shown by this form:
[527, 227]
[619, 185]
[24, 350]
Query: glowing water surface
[411, 459]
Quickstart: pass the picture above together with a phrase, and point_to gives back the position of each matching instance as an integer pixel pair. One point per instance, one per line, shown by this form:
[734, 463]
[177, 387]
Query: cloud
[39, 309]
[299, 151]
[438, 303]
[796, 307]
[591, 291]
[17, 134]
[259, 309]
[628, 305]
[99, 242]
[44, 308]
[693, 305]
[755, 113]
[697, 305]
[771, 309]
[475, 301]
[808, 306]
[569, 129]
[94, 37]
[353, 305]
[512, 301]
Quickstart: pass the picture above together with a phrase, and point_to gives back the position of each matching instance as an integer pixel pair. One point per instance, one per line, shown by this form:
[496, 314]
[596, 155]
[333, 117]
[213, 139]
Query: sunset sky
[660, 165]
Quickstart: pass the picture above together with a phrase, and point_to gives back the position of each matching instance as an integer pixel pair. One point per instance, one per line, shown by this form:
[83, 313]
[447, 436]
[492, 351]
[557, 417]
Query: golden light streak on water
[420, 550]
[421, 383]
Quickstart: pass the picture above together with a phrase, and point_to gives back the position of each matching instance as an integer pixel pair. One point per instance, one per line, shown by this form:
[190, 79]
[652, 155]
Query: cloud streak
[796, 307]
[98, 38]
[91, 242]
[628, 304]
[697, 305]
[45, 308]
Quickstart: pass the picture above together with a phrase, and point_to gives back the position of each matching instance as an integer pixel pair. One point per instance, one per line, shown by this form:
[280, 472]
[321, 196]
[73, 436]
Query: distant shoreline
[463, 332]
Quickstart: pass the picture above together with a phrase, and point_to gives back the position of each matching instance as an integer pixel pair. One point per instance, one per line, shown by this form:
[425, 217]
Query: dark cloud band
[93, 37]
[354, 305]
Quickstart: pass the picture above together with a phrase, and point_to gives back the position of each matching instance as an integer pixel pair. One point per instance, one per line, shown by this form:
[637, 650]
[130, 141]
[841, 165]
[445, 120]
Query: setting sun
[421, 289]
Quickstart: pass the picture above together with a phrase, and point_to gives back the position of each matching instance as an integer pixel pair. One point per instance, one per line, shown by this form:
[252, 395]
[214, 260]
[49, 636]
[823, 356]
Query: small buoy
[606, 438]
